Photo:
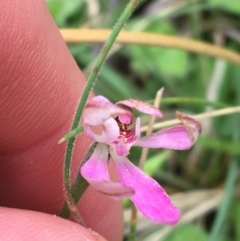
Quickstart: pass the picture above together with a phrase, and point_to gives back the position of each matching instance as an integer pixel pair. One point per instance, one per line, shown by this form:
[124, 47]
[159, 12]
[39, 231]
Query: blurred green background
[200, 83]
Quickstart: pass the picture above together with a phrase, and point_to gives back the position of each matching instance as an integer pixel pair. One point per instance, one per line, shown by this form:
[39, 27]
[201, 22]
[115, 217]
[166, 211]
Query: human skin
[40, 86]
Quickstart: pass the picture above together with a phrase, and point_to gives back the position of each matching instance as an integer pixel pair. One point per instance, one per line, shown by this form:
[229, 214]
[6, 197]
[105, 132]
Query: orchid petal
[141, 106]
[92, 135]
[149, 197]
[125, 118]
[95, 171]
[110, 130]
[180, 137]
[172, 138]
[99, 109]
[192, 126]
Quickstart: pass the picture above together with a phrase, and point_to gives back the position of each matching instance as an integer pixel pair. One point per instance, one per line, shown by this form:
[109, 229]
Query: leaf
[229, 93]
[81, 53]
[219, 144]
[114, 84]
[158, 61]
[187, 232]
[232, 6]
[226, 239]
[153, 164]
[235, 217]
[61, 10]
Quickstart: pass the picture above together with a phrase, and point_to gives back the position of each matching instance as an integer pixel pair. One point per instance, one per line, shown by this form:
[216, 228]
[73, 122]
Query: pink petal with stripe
[141, 106]
[180, 137]
[192, 126]
[95, 171]
[99, 109]
[149, 197]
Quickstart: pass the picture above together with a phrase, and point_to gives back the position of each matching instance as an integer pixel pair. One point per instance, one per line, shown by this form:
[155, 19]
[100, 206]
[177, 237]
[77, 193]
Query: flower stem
[78, 188]
[91, 80]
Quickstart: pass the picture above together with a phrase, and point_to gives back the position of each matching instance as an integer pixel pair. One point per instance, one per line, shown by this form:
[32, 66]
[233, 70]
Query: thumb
[26, 225]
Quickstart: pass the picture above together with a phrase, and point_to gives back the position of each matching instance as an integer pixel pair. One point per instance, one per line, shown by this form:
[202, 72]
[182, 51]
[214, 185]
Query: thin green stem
[71, 134]
[91, 80]
[79, 186]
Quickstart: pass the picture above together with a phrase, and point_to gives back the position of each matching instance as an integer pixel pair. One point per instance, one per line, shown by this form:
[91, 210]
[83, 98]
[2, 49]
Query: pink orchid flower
[119, 132]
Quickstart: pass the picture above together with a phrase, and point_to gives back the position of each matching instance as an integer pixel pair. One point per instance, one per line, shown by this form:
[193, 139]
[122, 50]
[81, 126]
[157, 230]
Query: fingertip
[26, 225]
